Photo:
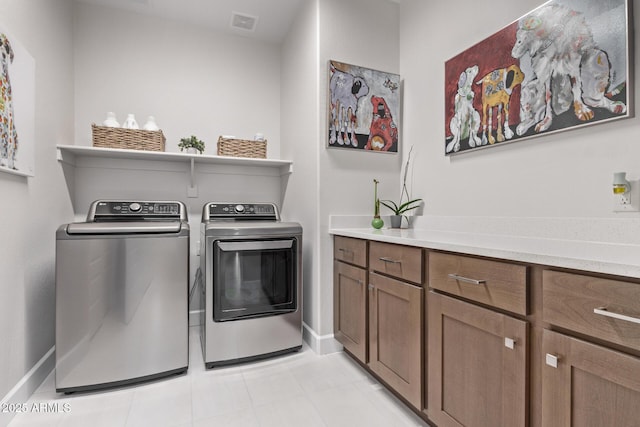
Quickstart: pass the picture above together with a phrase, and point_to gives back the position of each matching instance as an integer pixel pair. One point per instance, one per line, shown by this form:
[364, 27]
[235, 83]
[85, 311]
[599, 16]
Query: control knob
[135, 207]
[239, 208]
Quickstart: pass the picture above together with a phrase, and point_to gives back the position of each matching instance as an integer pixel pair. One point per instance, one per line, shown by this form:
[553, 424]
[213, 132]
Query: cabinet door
[395, 335]
[586, 385]
[477, 365]
[350, 308]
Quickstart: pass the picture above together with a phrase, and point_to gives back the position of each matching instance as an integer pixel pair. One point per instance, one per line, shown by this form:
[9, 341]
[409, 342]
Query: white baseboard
[29, 383]
[321, 344]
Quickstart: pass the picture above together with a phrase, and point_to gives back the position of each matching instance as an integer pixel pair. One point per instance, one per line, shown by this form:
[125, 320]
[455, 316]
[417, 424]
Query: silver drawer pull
[602, 311]
[392, 261]
[346, 251]
[466, 279]
[552, 360]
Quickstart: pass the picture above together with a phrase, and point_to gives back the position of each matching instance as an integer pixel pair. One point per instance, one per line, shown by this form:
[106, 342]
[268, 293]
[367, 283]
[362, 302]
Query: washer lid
[121, 227]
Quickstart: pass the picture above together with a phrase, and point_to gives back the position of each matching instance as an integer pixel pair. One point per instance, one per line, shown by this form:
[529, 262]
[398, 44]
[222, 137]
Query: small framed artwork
[364, 108]
[17, 107]
[563, 65]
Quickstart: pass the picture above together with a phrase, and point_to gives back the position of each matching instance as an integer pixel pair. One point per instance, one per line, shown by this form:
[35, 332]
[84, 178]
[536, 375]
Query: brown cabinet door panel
[586, 385]
[350, 308]
[475, 378]
[395, 335]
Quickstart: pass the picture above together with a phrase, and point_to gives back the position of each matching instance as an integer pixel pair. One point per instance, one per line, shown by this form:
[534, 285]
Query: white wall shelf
[147, 165]
[68, 153]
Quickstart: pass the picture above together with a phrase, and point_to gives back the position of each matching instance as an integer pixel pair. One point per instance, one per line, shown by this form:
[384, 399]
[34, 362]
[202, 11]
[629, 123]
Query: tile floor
[301, 389]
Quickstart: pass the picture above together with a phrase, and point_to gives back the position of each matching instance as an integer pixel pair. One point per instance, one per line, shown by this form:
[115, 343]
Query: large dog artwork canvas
[564, 65]
[364, 108]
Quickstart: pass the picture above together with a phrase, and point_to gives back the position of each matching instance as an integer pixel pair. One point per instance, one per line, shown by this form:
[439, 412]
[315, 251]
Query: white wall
[299, 127]
[192, 79]
[326, 181]
[364, 33]
[562, 175]
[33, 208]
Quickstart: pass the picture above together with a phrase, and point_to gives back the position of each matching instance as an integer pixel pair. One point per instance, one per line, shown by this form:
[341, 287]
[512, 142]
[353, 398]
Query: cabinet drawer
[353, 251]
[603, 308]
[497, 284]
[402, 262]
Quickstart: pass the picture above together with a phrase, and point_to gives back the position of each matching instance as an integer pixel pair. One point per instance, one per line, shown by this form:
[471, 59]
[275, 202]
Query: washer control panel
[131, 209]
[256, 211]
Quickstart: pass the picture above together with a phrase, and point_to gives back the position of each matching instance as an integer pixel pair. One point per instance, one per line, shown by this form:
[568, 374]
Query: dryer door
[254, 278]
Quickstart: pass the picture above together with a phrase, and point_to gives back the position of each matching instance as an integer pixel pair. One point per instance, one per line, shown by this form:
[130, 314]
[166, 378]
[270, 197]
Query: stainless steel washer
[122, 284]
[251, 270]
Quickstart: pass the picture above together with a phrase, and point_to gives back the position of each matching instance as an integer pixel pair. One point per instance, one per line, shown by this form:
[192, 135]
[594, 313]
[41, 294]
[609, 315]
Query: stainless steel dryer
[122, 284]
[251, 265]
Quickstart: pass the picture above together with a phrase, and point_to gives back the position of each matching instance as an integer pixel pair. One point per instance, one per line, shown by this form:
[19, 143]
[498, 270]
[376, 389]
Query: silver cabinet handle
[466, 279]
[345, 250]
[510, 343]
[602, 311]
[392, 261]
[552, 360]
[371, 287]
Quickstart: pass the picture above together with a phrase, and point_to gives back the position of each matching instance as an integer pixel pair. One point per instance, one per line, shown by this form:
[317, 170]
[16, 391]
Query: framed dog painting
[364, 109]
[561, 66]
[17, 107]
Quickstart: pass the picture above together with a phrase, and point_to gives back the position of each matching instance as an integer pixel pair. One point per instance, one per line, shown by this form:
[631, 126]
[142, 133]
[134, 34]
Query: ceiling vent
[244, 22]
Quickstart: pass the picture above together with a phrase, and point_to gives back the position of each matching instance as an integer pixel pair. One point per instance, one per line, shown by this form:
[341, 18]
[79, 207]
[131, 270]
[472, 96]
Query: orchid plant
[400, 208]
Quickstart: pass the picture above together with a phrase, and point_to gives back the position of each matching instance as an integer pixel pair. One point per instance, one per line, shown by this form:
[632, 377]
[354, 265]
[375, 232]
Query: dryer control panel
[252, 211]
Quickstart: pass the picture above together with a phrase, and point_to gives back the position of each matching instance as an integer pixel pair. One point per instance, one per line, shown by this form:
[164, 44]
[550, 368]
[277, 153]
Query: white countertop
[603, 257]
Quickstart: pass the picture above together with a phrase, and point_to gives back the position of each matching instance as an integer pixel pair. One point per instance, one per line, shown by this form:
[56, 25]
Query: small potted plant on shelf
[400, 208]
[191, 144]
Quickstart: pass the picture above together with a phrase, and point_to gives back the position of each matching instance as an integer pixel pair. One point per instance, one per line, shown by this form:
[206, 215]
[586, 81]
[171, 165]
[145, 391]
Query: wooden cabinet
[378, 314]
[587, 385]
[396, 318]
[491, 342]
[395, 335]
[477, 356]
[350, 308]
[350, 295]
[583, 383]
[477, 365]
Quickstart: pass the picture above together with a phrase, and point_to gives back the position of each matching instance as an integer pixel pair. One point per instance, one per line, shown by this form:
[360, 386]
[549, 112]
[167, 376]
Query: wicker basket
[242, 148]
[131, 139]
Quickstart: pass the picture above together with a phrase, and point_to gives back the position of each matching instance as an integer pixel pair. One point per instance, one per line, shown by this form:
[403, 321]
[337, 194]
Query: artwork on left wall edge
[364, 108]
[17, 107]
[566, 64]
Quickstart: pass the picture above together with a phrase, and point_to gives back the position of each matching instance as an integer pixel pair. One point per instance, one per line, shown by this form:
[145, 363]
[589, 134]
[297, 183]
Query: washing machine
[251, 272]
[122, 285]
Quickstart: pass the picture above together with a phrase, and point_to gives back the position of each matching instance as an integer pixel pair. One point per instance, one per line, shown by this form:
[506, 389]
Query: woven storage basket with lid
[131, 139]
[242, 148]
